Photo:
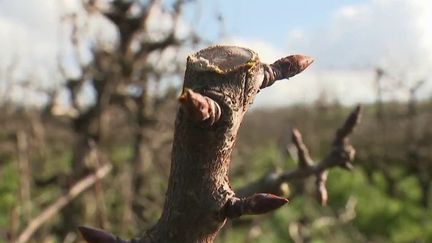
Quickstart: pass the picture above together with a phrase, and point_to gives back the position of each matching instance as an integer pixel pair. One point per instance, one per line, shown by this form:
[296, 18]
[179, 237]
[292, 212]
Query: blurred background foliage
[127, 121]
[361, 207]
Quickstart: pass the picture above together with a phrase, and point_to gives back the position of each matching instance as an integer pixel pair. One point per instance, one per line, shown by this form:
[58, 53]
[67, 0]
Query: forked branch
[341, 155]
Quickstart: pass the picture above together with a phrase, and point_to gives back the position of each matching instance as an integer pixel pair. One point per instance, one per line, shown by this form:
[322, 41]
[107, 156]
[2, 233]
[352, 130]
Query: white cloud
[348, 11]
[34, 34]
[310, 85]
[267, 52]
[28, 40]
[160, 23]
[347, 87]
[393, 34]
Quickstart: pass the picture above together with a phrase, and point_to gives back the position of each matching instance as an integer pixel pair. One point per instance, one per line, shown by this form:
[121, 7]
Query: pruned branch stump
[220, 84]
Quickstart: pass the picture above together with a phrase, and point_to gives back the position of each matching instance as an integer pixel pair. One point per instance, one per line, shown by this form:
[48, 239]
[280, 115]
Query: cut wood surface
[220, 84]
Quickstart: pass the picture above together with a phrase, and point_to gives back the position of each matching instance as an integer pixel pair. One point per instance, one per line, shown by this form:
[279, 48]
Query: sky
[348, 40]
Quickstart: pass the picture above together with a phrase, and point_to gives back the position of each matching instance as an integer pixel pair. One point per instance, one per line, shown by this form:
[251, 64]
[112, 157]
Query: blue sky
[267, 20]
[348, 40]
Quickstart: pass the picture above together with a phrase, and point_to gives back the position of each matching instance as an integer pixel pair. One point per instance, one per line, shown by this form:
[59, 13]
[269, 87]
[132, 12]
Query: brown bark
[220, 84]
[198, 188]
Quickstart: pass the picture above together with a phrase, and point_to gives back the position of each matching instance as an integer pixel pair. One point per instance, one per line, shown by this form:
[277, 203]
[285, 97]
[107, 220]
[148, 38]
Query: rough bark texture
[199, 188]
[220, 84]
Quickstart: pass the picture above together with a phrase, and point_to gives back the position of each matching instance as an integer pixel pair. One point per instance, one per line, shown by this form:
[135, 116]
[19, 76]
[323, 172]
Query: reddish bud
[92, 235]
[285, 68]
[258, 203]
[261, 203]
[199, 107]
[293, 65]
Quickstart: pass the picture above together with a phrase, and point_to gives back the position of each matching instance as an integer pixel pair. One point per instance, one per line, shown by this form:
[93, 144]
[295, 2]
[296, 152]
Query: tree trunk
[220, 84]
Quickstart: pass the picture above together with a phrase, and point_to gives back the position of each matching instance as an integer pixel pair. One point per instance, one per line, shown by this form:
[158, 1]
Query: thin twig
[341, 155]
[61, 202]
[304, 157]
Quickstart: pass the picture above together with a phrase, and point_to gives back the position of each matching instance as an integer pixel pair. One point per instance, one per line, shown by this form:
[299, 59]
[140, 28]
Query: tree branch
[341, 155]
[220, 84]
[54, 208]
[304, 157]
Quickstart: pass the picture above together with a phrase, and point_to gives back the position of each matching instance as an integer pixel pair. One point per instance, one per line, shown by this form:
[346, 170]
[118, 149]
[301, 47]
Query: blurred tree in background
[118, 71]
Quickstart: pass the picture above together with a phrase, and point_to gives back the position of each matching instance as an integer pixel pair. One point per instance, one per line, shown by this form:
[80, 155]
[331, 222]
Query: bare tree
[111, 73]
[412, 140]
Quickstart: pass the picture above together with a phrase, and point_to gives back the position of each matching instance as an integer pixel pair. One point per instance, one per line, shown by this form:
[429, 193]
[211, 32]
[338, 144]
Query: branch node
[200, 108]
